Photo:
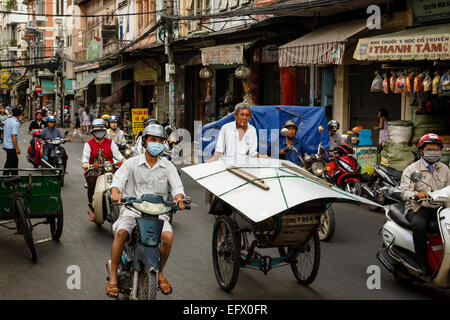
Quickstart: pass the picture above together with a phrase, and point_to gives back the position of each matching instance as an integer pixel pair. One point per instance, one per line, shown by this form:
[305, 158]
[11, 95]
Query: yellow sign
[146, 70]
[4, 79]
[137, 117]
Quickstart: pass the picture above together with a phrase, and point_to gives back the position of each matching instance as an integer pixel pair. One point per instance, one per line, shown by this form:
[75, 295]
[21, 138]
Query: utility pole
[170, 66]
[59, 72]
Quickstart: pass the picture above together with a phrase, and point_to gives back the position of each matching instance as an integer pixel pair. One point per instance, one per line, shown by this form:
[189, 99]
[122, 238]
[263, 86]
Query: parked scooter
[101, 201]
[344, 171]
[398, 255]
[140, 263]
[316, 164]
[383, 186]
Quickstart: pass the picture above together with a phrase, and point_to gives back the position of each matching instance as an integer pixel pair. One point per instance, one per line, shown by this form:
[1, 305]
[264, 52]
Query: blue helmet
[114, 119]
[51, 119]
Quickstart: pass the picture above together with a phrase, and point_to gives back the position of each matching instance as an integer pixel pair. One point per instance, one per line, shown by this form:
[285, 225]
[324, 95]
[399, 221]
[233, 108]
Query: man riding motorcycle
[38, 123]
[139, 145]
[50, 133]
[144, 174]
[335, 138]
[436, 175]
[114, 133]
[3, 115]
[98, 150]
[286, 153]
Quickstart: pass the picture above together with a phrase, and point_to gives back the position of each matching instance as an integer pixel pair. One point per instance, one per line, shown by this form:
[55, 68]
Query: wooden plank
[308, 175]
[248, 177]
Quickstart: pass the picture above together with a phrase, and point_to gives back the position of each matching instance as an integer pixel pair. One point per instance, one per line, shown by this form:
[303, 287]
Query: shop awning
[230, 54]
[323, 46]
[422, 43]
[48, 86]
[104, 77]
[86, 81]
[117, 94]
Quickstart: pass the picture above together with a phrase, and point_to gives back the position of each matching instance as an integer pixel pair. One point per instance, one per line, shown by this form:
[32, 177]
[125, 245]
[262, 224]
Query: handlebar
[128, 201]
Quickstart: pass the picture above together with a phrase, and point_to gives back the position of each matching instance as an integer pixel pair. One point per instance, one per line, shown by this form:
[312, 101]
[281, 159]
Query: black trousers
[421, 221]
[91, 181]
[12, 161]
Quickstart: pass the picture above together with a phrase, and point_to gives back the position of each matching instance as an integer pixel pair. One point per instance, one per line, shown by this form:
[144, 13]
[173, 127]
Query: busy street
[342, 274]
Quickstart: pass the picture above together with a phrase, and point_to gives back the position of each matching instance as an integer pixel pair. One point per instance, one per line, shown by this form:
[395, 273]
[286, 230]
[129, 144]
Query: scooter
[344, 171]
[316, 164]
[101, 201]
[398, 255]
[57, 156]
[34, 153]
[141, 262]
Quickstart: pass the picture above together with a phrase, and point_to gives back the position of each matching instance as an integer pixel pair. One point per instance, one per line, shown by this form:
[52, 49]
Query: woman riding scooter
[98, 150]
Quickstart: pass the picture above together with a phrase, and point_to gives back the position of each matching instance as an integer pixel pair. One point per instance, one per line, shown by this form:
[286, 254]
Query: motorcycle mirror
[416, 176]
[187, 200]
[66, 133]
[284, 132]
[321, 129]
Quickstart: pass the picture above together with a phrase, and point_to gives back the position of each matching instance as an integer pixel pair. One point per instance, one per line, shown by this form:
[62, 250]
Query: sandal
[112, 288]
[165, 287]
[91, 214]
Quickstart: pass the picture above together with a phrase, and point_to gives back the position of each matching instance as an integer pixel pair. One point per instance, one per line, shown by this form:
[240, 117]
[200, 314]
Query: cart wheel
[56, 224]
[226, 251]
[24, 225]
[327, 225]
[305, 263]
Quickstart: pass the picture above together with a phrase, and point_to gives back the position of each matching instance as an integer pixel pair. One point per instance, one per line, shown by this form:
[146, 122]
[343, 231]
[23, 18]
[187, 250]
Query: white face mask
[432, 156]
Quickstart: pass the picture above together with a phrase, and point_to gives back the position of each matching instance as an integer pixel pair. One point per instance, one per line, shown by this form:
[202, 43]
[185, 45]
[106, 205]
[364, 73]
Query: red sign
[38, 89]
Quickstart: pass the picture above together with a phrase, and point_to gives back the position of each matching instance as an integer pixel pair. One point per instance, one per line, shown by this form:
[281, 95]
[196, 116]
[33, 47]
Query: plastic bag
[436, 83]
[386, 84]
[400, 85]
[409, 83]
[418, 84]
[427, 83]
[392, 82]
[377, 84]
[445, 82]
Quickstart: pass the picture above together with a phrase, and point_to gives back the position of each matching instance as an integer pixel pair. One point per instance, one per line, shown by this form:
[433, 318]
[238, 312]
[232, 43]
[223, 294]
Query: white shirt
[87, 152]
[135, 178]
[229, 144]
[118, 137]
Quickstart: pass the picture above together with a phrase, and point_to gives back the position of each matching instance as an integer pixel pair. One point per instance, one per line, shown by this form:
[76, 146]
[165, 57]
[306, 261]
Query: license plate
[300, 220]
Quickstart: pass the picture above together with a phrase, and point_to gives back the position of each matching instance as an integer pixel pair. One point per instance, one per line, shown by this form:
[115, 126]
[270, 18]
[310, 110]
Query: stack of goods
[398, 153]
[427, 123]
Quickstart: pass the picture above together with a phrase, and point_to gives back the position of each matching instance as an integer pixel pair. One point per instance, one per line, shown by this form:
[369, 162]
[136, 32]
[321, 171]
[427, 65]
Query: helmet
[290, 123]
[105, 117]
[97, 125]
[113, 119]
[430, 138]
[38, 111]
[51, 119]
[150, 121]
[333, 125]
[153, 129]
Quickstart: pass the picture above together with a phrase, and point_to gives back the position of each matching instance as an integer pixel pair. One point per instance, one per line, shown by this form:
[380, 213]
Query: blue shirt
[429, 166]
[291, 155]
[11, 127]
[50, 134]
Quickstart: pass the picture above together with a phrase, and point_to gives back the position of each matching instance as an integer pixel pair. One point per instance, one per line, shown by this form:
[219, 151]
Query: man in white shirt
[144, 174]
[237, 139]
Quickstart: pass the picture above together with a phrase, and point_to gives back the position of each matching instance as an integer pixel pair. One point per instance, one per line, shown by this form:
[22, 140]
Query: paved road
[342, 273]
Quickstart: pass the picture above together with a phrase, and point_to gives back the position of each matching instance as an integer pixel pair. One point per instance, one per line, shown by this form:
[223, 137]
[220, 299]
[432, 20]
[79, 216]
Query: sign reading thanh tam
[138, 115]
[424, 43]
[227, 54]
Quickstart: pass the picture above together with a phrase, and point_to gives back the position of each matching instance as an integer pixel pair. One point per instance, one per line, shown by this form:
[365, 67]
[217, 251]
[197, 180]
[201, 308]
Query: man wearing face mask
[99, 150]
[144, 174]
[435, 174]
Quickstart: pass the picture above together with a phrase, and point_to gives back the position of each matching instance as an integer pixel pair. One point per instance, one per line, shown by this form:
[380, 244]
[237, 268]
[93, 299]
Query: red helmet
[430, 138]
[38, 111]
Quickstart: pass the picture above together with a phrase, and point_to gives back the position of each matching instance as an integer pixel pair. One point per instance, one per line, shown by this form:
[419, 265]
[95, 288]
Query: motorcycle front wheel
[327, 225]
[353, 187]
[147, 285]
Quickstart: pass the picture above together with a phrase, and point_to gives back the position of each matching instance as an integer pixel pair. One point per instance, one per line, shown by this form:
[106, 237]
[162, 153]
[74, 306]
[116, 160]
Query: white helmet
[155, 130]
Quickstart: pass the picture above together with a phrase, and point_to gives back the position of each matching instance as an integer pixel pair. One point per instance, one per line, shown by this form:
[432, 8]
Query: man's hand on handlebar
[116, 196]
[85, 166]
[422, 195]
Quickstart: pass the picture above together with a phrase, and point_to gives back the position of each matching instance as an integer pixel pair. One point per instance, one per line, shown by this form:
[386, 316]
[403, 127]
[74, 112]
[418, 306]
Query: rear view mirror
[284, 132]
[416, 176]
[321, 129]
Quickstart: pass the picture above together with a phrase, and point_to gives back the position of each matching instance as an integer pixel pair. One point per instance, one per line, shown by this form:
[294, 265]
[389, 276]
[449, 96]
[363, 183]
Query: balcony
[81, 55]
[111, 47]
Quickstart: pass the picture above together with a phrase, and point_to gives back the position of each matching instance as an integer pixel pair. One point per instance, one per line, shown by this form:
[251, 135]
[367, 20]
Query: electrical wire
[80, 15]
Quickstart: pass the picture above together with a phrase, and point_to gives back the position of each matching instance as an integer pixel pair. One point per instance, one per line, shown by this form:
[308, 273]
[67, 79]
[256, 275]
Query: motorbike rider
[335, 138]
[38, 123]
[50, 133]
[105, 118]
[99, 149]
[143, 174]
[419, 214]
[3, 115]
[286, 153]
[114, 133]
[139, 146]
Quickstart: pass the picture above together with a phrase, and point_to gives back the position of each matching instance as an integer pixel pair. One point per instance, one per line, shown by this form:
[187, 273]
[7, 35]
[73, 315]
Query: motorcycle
[140, 263]
[125, 149]
[57, 156]
[398, 255]
[383, 186]
[101, 200]
[344, 171]
[34, 153]
[316, 164]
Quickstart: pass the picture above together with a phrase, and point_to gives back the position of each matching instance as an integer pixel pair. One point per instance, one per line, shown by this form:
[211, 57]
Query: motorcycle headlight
[128, 152]
[318, 168]
[55, 141]
[109, 167]
[346, 166]
[307, 158]
[151, 208]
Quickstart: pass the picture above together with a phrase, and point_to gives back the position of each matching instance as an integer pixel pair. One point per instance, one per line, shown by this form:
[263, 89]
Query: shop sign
[146, 71]
[94, 49]
[4, 79]
[229, 54]
[366, 156]
[414, 47]
[138, 116]
[430, 10]
[103, 78]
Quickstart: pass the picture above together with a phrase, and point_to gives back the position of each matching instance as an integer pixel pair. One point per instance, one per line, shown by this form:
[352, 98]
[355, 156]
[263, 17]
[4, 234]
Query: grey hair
[240, 106]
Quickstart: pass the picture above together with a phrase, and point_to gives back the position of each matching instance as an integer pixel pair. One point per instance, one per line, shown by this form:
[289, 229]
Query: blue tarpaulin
[272, 119]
